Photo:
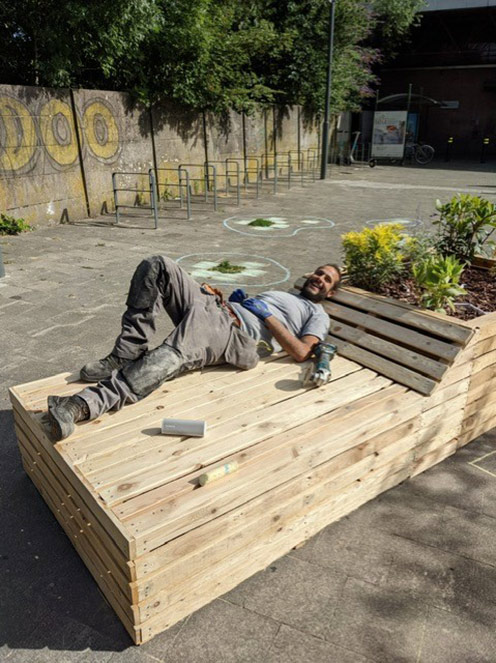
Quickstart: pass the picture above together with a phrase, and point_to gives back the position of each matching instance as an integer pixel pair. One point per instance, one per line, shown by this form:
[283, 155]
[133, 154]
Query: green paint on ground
[261, 223]
[225, 267]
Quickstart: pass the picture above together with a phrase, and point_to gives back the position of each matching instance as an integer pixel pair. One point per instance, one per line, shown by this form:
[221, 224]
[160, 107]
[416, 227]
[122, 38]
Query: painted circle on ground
[58, 132]
[18, 140]
[258, 271]
[101, 130]
[282, 226]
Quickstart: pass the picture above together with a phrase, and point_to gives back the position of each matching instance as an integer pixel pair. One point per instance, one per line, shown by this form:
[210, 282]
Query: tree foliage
[208, 54]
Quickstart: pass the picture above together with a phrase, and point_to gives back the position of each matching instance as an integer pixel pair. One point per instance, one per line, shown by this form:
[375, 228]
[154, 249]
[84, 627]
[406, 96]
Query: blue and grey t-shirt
[298, 314]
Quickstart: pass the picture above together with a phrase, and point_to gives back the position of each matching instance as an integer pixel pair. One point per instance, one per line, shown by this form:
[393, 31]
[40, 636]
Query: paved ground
[409, 577]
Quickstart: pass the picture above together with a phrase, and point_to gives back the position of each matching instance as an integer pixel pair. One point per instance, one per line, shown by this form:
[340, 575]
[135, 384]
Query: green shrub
[375, 256]
[12, 226]
[438, 279]
[464, 225]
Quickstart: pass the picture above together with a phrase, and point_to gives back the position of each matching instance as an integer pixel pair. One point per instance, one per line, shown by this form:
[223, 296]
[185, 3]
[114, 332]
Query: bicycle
[422, 154]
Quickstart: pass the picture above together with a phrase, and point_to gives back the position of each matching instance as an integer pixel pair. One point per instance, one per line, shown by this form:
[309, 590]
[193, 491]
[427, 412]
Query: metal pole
[214, 173]
[409, 101]
[188, 196]
[116, 202]
[325, 128]
[153, 196]
[180, 182]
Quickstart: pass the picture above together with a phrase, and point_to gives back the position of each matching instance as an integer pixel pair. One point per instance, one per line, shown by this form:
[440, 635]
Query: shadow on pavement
[48, 600]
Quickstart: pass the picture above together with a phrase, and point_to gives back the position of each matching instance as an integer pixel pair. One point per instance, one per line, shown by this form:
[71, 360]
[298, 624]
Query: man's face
[320, 284]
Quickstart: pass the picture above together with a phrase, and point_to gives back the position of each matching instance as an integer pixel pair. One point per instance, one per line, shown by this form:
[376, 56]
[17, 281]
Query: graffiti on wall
[25, 134]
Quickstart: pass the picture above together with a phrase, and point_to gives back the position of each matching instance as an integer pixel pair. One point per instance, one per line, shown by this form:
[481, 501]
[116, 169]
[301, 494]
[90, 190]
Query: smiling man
[207, 331]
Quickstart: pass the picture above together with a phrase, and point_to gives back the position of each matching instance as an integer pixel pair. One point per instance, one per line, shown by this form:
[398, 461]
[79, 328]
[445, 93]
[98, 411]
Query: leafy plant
[226, 268]
[464, 224]
[375, 256]
[438, 278]
[261, 223]
[420, 247]
[9, 225]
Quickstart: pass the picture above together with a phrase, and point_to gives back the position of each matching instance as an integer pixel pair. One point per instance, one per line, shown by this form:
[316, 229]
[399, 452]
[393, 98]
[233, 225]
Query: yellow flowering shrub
[375, 256]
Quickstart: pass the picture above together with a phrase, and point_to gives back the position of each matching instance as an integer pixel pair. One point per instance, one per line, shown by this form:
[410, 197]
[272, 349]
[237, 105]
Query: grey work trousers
[204, 334]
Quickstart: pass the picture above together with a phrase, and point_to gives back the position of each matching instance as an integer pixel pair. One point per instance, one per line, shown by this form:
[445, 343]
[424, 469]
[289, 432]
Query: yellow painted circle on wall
[18, 139]
[101, 130]
[58, 132]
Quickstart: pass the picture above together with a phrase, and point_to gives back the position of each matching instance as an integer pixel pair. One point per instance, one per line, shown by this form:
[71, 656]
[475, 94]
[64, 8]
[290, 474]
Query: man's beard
[313, 297]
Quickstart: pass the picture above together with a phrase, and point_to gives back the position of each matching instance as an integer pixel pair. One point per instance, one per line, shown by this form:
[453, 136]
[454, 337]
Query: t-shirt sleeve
[317, 325]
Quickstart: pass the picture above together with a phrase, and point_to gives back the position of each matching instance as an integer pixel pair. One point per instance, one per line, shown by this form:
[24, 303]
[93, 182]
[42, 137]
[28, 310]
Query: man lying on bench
[207, 331]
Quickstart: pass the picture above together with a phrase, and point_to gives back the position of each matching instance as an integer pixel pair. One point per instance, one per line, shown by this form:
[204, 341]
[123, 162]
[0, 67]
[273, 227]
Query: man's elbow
[302, 355]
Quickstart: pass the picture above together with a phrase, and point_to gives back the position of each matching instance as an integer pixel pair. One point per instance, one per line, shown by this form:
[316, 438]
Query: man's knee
[149, 277]
[152, 369]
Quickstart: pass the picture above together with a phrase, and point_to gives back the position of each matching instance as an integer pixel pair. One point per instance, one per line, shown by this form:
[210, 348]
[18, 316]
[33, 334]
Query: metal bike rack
[179, 186]
[270, 168]
[151, 191]
[205, 179]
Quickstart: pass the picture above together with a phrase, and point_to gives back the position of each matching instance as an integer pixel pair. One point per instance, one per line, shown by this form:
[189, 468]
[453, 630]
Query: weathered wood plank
[404, 314]
[382, 365]
[407, 337]
[400, 354]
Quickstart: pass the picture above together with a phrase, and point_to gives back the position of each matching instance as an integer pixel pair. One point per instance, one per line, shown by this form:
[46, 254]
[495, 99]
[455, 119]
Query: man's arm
[300, 349]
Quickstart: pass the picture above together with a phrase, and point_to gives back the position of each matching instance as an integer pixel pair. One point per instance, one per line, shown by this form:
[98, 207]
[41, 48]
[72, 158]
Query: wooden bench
[160, 546]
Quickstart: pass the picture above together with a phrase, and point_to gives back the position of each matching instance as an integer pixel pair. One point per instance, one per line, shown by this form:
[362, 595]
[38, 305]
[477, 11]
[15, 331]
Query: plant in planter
[438, 279]
[464, 226]
[375, 256]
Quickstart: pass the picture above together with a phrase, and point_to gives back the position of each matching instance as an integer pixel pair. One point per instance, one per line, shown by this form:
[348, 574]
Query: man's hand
[238, 296]
[257, 307]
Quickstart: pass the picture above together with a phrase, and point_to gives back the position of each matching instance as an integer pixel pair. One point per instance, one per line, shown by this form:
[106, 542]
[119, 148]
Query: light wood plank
[254, 478]
[166, 567]
[134, 455]
[245, 430]
[337, 506]
[352, 422]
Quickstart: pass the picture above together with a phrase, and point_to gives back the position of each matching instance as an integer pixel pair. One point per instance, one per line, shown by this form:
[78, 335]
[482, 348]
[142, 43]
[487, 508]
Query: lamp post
[325, 128]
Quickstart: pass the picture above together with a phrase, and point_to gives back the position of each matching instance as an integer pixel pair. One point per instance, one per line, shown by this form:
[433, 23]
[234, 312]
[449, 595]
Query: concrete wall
[58, 149]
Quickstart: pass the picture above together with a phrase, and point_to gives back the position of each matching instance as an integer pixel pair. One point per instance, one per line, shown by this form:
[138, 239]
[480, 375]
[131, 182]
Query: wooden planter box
[160, 546]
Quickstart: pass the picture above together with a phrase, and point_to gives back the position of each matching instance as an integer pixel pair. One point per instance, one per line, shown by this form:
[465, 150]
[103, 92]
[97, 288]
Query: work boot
[63, 413]
[95, 371]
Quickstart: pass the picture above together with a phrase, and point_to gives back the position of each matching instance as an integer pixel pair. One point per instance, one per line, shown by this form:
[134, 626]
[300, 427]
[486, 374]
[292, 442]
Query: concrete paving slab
[376, 623]
[293, 592]
[449, 637]
[224, 632]
[293, 646]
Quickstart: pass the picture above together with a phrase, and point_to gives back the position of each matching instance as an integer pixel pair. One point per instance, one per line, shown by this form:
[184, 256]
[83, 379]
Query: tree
[73, 43]
[205, 54]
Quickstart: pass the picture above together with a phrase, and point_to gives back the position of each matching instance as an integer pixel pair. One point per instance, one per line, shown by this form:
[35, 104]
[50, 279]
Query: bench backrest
[409, 345]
